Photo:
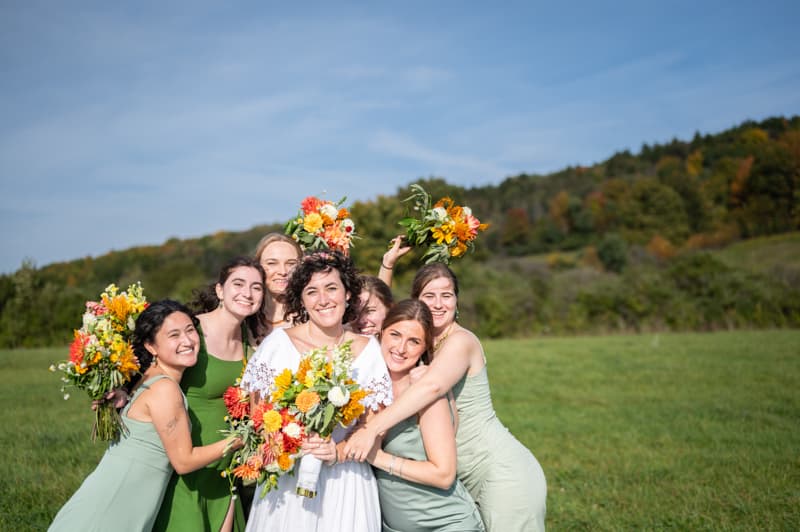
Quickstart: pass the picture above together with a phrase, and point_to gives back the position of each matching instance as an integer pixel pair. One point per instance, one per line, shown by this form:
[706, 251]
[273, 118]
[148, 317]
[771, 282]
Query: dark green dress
[408, 506]
[199, 501]
[124, 492]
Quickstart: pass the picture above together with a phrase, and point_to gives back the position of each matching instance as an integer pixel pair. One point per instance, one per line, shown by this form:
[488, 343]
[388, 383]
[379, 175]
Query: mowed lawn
[649, 432]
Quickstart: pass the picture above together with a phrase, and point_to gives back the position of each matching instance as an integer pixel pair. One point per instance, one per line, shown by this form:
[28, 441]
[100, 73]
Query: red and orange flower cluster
[322, 225]
[272, 439]
[101, 357]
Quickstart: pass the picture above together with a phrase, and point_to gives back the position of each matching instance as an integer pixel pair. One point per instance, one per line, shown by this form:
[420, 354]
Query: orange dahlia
[307, 400]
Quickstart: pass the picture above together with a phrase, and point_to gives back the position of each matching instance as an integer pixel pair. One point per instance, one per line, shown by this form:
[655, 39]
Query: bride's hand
[322, 448]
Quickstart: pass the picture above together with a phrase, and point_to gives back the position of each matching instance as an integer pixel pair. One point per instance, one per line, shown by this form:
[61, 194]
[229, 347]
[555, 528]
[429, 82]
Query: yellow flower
[305, 365]
[312, 222]
[285, 462]
[353, 409]
[458, 250]
[128, 364]
[119, 307]
[282, 382]
[272, 421]
[443, 233]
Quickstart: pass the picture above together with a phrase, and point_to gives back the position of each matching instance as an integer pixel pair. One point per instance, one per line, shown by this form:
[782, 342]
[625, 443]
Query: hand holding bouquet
[101, 357]
[271, 440]
[322, 395]
[322, 225]
[448, 230]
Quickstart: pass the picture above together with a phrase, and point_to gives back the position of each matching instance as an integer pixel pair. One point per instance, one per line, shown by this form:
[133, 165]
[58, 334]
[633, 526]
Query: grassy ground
[682, 432]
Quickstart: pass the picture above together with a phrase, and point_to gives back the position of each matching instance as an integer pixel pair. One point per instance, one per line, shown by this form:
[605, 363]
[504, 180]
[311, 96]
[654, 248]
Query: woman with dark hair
[278, 254]
[125, 490]
[322, 295]
[232, 318]
[416, 468]
[503, 477]
[375, 300]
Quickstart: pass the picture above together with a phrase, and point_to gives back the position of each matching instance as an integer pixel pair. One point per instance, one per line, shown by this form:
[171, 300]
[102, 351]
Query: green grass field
[651, 432]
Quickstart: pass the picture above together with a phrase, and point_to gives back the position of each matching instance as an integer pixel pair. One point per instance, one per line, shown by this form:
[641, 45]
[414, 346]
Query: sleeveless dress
[503, 477]
[347, 494]
[198, 501]
[409, 506]
[124, 492]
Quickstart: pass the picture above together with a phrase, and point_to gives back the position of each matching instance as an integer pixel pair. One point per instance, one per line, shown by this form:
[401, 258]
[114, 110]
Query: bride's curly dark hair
[322, 261]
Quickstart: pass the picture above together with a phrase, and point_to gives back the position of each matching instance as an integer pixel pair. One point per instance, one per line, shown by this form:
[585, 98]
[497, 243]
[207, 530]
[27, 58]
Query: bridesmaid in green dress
[234, 317]
[503, 477]
[125, 490]
[416, 469]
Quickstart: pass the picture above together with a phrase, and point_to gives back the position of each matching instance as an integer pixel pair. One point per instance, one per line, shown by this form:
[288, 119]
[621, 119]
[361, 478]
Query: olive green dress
[408, 506]
[198, 501]
[124, 492]
[503, 477]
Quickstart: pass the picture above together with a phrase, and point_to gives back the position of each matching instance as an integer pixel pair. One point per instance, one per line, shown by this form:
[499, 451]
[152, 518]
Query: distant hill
[635, 218]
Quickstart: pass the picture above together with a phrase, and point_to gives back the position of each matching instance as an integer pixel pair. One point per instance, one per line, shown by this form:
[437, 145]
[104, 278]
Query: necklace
[312, 342]
[444, 336]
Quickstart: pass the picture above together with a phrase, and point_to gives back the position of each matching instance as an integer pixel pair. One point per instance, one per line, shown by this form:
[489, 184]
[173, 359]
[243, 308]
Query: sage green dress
[408, 506]
[198, 501]
[503, 477]
[124, 492]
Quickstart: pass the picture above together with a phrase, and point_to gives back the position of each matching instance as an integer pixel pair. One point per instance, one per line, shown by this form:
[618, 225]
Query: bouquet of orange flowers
[448, 230]
[322, 225]
[271, 440]
[322, 395]
[101, 357]
[315, 398]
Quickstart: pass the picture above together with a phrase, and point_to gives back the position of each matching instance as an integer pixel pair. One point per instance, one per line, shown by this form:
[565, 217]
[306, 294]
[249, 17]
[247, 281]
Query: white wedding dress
[347, 493]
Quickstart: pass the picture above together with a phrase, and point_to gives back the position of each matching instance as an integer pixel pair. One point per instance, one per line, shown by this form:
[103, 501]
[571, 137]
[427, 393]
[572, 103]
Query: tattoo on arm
[171, 425]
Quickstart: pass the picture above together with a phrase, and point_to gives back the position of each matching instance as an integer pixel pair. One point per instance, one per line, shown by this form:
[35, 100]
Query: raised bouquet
[446, 229]
[322, 225]
[271, 439]
[101, 357]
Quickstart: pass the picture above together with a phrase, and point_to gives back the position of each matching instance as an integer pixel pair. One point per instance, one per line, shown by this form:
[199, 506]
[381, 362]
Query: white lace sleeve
[381, 395]
[371, 374]
[260, 373]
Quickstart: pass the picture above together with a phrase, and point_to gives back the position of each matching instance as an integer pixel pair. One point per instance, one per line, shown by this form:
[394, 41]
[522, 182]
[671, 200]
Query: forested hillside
[637, 242]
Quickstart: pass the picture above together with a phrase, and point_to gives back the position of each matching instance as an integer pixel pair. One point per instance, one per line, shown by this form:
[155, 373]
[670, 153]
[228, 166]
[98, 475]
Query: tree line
[627, 244]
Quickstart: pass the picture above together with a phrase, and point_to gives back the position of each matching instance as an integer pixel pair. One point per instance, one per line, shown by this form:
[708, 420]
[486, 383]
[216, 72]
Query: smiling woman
[125, 491]
[322, 295]
[233, 319]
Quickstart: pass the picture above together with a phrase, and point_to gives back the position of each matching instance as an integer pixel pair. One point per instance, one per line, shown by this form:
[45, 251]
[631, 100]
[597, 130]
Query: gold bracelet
[391, 465]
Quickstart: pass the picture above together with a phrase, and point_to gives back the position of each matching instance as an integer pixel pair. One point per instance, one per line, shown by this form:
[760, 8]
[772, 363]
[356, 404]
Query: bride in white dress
[323, 294]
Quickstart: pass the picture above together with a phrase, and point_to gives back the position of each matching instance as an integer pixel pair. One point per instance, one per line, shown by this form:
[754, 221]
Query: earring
[155, 361]
[456, 313]
[220, 305]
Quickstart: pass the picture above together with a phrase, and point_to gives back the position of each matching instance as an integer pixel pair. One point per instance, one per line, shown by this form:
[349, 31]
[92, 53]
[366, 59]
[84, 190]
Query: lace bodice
[277, 352]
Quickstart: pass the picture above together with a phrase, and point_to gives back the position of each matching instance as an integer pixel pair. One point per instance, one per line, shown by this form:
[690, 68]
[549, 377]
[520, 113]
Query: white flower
[66, 396]
[52, 367]
[348, 225]
[467, 211]
[131, 323]
[339, 396]
[292, 430]
[440, 213]
[89, 319]
[329, 210]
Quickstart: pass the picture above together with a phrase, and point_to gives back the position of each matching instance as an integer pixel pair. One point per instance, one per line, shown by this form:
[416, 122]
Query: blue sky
[129, 123]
